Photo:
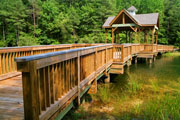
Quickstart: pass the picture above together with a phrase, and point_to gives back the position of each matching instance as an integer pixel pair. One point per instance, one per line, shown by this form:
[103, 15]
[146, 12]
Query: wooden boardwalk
[11, 99]
[51, 83]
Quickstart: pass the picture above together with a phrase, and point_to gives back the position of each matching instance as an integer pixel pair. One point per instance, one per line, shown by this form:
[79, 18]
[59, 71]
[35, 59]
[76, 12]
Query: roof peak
[132, 8]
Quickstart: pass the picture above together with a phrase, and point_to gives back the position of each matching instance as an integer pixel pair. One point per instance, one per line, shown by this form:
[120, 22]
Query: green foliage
[70, 21]
[27, 40]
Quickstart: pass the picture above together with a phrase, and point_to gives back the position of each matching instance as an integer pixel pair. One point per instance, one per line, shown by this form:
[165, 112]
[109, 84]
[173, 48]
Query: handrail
[7, 54]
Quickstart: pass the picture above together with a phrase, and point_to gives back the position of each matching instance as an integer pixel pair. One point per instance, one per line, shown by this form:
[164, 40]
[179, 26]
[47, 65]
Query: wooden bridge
[44, 82]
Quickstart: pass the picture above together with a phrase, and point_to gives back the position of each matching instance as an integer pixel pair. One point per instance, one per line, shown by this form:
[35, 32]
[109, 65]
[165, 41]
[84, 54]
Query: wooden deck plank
[11, 99]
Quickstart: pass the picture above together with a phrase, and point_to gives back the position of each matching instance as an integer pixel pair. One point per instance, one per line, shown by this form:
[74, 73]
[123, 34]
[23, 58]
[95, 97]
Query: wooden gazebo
[129, 21]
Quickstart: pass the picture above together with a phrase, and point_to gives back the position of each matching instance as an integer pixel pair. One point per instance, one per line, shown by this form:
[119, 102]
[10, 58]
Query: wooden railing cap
[41, 56]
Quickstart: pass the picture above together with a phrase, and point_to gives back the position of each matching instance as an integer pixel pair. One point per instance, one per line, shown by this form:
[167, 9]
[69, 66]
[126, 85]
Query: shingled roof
[108, 21]
[141, 19]
[132, 8]
[147, 19]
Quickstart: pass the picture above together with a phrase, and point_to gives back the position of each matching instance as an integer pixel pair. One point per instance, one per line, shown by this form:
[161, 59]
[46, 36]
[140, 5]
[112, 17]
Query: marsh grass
[172, 54]
[142, 93]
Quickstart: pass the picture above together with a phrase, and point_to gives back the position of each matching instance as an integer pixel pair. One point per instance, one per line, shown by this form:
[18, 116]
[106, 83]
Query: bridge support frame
[107, 79]
[93, 88]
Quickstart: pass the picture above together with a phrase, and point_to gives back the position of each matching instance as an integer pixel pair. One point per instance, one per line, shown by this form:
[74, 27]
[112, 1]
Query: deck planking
[11, 99]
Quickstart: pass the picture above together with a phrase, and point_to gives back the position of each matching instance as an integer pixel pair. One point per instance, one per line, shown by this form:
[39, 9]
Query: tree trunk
[4, 33]
[34, 20]
[17, 36]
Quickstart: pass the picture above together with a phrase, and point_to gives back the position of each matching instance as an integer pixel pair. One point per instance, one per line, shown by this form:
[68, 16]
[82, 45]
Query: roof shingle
[142, 19]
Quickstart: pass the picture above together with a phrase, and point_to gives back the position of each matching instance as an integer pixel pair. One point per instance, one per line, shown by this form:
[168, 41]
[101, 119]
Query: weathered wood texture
[11, 99]
[7, 55]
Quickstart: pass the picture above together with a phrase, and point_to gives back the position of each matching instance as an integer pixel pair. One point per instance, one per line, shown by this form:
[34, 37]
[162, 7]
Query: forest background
[45, 22]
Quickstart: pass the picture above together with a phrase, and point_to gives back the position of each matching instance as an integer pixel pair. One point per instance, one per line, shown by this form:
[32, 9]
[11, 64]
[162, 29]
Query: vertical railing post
[0, 65]
[32, 52]
[106, 58]
[30, 88]
[79, 75]
[122, 53]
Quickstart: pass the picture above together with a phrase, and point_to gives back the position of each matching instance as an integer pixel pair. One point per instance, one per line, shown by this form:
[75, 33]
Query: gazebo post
[105, 35]
[139, 36]
[157, 37]
[135, 41]
[126, 37]
[129, 37]
[112, 35]
[147, 35]
[153, 36]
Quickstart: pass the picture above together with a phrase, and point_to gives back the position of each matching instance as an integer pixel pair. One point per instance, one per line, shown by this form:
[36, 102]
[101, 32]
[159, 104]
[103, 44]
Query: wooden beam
[114, 29]
[124, 25]
[123, 19]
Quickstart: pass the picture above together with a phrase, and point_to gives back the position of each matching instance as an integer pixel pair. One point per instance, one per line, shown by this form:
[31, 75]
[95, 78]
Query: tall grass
[142, 93]
[167, 108]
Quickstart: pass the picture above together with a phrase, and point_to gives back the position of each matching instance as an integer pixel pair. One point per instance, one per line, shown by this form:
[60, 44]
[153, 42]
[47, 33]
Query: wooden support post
[153, 36]
[30, 87]
[136, 60]
[139, 36]
[150, 60]
[147, 35]
[1, 65]
[105, 35]
[107, 79]
[79, 76]
[129, 37]
[126, 37]
[135, 41]
[93, 88]
[157, 37]
[129, 62]
[154, 59]
[122, 53]
[112, 35]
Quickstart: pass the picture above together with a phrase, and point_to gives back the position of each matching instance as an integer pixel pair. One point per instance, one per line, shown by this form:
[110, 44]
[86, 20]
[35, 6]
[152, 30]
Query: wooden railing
[50, 80]
[150, 48]
[124, 52]
[7, 55]
[165, 48]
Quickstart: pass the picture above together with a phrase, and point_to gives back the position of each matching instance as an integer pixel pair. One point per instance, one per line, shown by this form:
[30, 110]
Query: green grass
[172, 54]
